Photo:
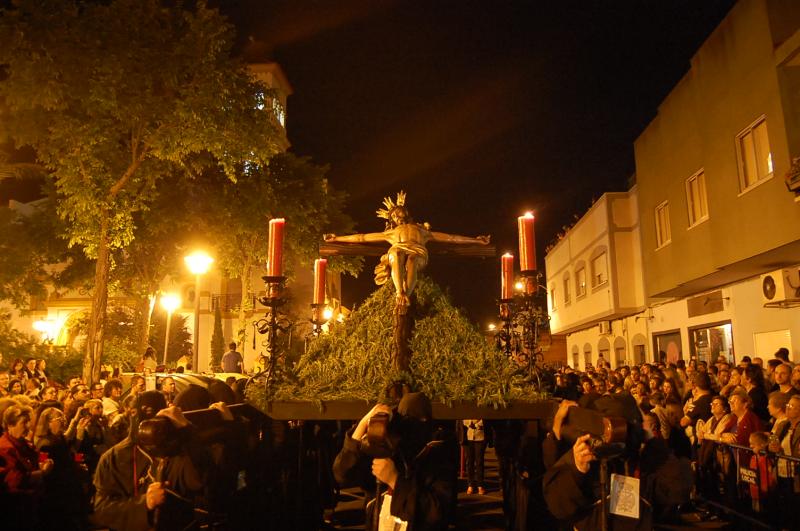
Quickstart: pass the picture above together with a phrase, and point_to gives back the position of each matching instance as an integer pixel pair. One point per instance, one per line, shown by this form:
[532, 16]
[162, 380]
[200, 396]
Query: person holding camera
[132, 484]
[572, 487]
[399, 450]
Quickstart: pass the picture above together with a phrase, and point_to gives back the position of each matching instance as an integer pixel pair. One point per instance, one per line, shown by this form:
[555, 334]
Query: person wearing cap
[420, 474]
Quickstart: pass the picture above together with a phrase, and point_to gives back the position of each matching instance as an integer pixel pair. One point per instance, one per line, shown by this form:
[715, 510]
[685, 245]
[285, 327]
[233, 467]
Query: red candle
[507, 277]
[320, 265]
[275, 250]
[527, 243]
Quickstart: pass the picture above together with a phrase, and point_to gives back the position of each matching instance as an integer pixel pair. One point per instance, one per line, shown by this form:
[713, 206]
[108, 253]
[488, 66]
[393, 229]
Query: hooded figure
[420, 469]
[130, 479]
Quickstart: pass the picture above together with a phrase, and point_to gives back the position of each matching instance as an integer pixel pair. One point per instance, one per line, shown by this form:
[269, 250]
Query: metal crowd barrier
[760, 489]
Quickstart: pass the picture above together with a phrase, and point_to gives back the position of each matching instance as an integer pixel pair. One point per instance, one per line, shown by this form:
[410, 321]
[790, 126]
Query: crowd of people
[73, 456]
[735, 424]
[55, 435]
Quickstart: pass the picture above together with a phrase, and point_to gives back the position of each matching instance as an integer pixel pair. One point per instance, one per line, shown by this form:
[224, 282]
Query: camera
[610, 435]
[159, 437]
[382, 437]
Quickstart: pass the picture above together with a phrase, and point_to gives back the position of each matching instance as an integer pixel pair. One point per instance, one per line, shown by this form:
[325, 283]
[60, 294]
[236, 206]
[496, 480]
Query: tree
[155, 252]
[217, 341]
[236, 215]
[117, 96]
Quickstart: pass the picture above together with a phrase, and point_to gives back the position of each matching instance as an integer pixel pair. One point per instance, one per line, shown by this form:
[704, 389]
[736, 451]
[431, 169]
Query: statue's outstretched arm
[357, 238]
[455, 238]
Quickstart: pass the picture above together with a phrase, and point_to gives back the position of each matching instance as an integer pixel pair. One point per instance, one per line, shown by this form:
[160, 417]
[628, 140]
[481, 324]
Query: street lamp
[198, 263]
[170, 302]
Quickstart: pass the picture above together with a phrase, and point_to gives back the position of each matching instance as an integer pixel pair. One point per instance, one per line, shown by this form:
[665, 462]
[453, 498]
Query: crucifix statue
[406, 256]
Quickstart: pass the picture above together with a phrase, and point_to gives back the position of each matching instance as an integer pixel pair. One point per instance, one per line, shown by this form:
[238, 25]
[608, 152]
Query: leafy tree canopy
[112, 94]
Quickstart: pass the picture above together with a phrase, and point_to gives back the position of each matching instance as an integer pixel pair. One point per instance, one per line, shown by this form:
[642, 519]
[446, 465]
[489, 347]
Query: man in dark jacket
[421, 473]
[135, 489]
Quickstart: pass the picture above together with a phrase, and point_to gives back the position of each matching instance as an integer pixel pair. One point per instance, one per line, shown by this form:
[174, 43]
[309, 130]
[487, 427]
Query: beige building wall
[733, 82]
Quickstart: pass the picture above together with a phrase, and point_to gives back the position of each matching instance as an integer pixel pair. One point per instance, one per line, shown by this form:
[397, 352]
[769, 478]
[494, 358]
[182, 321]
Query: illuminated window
[696, 200]
[580, 282]
[566, 289]
[599, 270]
[663, 234]
[279, 112]
[755, 157]
[553, 299]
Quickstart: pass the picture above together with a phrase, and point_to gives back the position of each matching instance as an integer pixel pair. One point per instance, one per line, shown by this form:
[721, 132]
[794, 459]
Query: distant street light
[198, 263]
[170, 302]
[492, 327]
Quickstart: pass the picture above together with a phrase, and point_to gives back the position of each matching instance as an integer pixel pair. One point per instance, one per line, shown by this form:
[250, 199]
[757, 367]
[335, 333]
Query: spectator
[753, 383]
[777, 410]
[168, 390]
[17, 370]
[746, 421]
[700, 407]
[148, 361]
[783, 354]
[232, 360]
[30, 367]
[96, 392]
[111, 395]
[41, 371]
[138, 384]
[475, 446]
[23, 471]
[5, 381]
[63, 503]
[783, 379]
[759, 493]
[15, 387]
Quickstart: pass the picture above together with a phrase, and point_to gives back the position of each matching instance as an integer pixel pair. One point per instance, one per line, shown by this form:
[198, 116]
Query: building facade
[720, 230]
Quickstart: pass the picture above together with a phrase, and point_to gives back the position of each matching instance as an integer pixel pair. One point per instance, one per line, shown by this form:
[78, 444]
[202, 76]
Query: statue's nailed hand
[484, 239]
[328, 237]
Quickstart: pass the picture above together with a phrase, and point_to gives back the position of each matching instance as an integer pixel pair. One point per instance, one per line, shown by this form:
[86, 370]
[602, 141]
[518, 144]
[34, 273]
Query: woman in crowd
[670, 389]
[15, 387]
[17, 370]
[64, 504]
[23, 472]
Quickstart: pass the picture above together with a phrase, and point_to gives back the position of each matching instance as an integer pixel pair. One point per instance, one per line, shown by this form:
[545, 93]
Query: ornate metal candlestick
[317, 319]
[270, 324]
[522, 319]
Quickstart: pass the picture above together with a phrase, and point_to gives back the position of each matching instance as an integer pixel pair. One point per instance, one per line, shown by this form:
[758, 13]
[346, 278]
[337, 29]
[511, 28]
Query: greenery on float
[451, 359]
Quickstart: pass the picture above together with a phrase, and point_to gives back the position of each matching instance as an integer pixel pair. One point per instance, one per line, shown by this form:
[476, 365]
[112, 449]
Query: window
[580, 282]
[696, 201]
[599, 270]
[553, 299]
[755, 157]
[663, 234]
[566, 290]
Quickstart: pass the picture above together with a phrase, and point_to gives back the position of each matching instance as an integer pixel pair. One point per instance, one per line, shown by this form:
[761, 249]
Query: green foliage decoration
[451, 359]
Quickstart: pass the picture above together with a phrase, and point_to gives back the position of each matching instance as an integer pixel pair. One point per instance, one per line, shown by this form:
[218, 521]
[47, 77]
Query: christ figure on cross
[407, 254]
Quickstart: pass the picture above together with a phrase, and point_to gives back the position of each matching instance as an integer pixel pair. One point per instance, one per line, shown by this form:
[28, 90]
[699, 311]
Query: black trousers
[475, 451]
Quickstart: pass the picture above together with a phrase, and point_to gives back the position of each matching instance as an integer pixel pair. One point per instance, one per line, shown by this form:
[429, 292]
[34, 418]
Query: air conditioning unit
[604, 327]
[780, 287]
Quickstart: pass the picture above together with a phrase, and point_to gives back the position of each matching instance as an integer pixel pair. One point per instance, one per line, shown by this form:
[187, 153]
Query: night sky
[480, 110]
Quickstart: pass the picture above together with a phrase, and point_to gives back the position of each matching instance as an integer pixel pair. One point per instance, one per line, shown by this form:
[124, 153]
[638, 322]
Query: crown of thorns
[391, 205]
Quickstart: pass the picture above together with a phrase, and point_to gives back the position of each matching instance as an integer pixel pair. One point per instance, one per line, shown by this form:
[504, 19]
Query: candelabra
[317, 318]
[522, 321]
[272, 323]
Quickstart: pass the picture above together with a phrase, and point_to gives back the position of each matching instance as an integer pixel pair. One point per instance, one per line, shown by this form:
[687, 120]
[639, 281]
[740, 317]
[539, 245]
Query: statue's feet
[402, 302]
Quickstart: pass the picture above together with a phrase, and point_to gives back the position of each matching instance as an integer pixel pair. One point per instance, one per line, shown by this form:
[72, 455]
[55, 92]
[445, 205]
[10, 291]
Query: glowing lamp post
[170, 302]
[198, 263]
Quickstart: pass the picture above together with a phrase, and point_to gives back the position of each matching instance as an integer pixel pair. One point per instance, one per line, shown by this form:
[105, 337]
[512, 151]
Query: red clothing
[18, 460]
[745, 426]
[767, 481]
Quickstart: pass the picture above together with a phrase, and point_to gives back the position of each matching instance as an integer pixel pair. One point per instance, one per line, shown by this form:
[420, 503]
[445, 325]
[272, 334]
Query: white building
[718, 228]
